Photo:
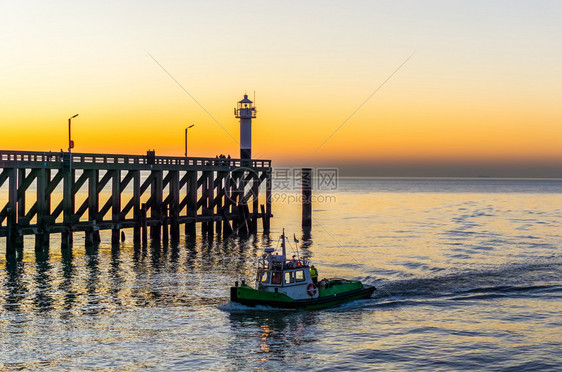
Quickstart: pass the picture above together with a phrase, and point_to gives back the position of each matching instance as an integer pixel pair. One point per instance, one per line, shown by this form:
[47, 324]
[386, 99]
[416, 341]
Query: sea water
[469, 277]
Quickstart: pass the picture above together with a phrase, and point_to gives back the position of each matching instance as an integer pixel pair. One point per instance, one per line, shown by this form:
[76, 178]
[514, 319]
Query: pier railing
[80, 159]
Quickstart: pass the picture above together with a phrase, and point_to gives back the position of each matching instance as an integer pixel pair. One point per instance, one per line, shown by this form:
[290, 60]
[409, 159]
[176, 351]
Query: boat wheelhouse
[291, 277]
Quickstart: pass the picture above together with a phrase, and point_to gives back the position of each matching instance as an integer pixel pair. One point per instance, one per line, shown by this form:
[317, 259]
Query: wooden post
[115, 206]
[255, 203]
[11, 238]
[47, 216]
[306, 198]
[190, 229]
[21, 207]
[41, 238]
[210, 204]
[265, 220]
[143, 224]
[68, 209]
[227, 203]
[226, 229]
[203, 201]
[165, 225]
[173, 206]
[136, 208]
[243, 227]
[235, 197]
[156, 207]
[12, 210]
[218, 201]
[268, 197]
[242, 220]
[93, 205]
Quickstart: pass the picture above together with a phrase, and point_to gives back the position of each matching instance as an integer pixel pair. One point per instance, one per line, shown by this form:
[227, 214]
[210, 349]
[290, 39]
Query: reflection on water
[43, 294]
[14, 284]
[102, 279]
[270, 337]
[66, 282]
[468, 277]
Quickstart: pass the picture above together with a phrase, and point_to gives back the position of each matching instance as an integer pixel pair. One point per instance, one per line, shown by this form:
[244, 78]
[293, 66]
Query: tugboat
[288, 284]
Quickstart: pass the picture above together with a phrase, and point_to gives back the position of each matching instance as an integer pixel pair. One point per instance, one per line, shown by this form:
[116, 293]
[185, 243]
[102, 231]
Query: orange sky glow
[480, 92]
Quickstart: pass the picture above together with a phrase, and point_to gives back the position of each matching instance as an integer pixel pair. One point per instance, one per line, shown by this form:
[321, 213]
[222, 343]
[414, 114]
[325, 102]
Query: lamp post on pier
[70, 141]
[192, 125]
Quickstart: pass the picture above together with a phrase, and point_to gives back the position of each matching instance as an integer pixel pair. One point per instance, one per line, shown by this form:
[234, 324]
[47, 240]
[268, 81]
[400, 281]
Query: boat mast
[283, 244]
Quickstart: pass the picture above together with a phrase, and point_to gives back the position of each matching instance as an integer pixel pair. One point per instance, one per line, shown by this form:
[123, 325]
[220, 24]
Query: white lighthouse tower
[245, 111]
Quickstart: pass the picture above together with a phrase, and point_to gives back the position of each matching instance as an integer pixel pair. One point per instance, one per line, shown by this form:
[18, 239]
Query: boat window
[289, 277]
[299, 276]
[276, 277]
[265, 277]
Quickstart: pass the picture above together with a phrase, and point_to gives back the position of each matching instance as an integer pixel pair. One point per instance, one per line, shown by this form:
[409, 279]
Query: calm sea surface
[469, 275]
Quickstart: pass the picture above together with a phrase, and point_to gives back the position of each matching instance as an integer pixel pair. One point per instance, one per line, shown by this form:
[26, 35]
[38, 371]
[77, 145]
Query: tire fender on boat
[311, 289]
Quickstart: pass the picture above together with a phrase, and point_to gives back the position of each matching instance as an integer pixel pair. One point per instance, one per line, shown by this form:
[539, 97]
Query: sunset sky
[481, 92]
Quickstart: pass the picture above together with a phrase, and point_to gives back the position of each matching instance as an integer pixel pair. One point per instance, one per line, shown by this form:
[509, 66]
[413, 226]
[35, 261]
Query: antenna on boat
[283, 243]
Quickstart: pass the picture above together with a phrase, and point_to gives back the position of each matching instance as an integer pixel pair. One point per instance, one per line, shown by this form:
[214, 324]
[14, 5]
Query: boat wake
[508, 281]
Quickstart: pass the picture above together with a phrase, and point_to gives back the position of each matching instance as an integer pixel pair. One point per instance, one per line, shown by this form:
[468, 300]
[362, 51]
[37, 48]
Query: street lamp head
[74, 116]
[192, 125]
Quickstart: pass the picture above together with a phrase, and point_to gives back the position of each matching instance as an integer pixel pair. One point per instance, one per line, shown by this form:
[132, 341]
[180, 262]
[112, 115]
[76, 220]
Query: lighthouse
[245, 111]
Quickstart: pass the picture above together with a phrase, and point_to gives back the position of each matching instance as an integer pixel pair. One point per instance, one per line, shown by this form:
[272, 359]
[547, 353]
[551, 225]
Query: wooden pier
[153, 195]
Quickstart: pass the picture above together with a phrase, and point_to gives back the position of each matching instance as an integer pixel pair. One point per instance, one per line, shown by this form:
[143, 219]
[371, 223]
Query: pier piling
[144, 225]
[306, 198]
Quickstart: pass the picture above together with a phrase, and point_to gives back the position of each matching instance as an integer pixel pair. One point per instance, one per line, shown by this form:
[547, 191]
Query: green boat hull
[335, 293]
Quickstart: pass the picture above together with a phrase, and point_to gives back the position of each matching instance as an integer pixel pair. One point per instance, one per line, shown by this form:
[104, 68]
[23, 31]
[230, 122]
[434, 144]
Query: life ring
[311, 290]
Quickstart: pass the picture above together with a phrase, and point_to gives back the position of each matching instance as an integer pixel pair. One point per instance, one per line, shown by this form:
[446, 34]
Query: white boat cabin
[292, 277]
